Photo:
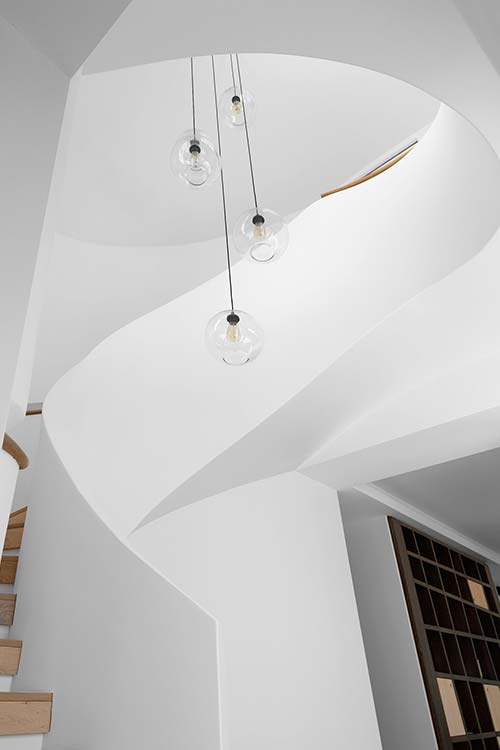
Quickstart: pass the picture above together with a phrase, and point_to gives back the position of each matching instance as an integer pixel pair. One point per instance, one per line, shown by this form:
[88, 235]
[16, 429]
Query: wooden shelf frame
[464, 660]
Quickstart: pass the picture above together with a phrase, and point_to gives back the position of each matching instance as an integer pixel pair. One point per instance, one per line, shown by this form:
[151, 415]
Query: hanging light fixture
[231, 102]
[259, 234]
[194, 159]
[232, 336]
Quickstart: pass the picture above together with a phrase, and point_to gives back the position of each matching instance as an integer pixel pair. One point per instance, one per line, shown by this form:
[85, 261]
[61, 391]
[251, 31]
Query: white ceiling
[66, 31]
[317, 123]
[464, 494]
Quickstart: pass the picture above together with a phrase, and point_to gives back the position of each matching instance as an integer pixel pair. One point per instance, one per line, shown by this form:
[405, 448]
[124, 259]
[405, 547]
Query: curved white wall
[9, 471]
[33, 92]
[143, 390]
[132, 662]
[269, 561]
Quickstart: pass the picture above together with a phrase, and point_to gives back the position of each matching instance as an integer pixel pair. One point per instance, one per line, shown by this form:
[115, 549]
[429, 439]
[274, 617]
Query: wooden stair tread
[7, 608]
[8, 568]
[10, 656]
[25, 713]
[18, 516]
[25, 697]
[15, 529]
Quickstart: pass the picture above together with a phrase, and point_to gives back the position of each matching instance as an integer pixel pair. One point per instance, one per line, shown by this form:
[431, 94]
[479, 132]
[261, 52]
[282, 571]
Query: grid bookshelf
[455, 616]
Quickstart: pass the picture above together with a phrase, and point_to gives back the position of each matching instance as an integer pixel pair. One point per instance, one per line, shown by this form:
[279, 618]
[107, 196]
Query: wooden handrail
[13, 449]
[34, 408]
[370, 175]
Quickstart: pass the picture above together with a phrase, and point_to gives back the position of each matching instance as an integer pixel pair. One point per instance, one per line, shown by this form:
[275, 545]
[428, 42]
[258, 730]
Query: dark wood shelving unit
[455, 615]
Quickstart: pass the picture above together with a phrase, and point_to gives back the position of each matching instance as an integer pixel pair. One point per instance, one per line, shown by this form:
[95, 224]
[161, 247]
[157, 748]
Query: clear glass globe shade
[231, 106]
[195, 161]
[261, 237]
[234, 337]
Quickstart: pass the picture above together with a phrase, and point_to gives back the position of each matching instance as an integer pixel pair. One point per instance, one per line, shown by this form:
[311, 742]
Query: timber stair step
[7, 608]
[15, 529]
[25, 713]
[10, 655]
[8, 569]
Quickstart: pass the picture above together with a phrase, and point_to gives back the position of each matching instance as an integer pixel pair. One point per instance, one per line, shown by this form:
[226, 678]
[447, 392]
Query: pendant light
[194, 159]
[232, 336]
[259, 234]
[231, 104]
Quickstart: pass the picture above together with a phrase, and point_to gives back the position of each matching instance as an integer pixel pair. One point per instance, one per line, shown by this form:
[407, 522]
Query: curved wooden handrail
[370, 175]
[13, 449]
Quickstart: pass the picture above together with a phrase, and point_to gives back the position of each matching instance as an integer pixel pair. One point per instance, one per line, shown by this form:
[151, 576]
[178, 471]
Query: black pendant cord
[223, 189]
[192, 99]
[247, 137]
[232, 72]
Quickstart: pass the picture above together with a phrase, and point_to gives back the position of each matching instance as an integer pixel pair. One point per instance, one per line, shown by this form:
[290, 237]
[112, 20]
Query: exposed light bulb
[234, 337]
[195, 160]
[233, 333]
[261, 237]
[231, 106]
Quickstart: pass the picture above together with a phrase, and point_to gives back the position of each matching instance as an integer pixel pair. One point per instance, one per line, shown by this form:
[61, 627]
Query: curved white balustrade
[150, 409]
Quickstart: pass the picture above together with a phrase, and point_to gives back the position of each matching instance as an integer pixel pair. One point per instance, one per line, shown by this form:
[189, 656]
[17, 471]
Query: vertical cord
[192, 99]
[223, 188]
[247, 136]
[232, 72]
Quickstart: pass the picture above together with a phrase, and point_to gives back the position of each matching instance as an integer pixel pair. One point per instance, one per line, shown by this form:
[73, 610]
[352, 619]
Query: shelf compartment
[451, 707]
[493, 699]
[482, 707]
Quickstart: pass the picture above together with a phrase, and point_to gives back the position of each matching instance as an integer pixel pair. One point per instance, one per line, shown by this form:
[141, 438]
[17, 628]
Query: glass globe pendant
[231, 106]
[195, 160]
[260, 235]
[234, 337]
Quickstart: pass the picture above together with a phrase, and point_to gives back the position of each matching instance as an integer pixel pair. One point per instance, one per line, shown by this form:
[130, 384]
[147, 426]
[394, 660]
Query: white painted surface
[8, 476]
[32, 92]
[64, 31]
[131, 661]
[465, 493]
[396, 679]
[22, 742]
[142, 390]
[26, 357]
[93, 290]
[120, 189]
[269, 561]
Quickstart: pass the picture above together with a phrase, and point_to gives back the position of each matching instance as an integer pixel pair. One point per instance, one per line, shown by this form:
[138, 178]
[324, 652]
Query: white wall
[32, 92]
[142, 390]
[398, 689]
[131, 661]
[269, 561]
[8, 475]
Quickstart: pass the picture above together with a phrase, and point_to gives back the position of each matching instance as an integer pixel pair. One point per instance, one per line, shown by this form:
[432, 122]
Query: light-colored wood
[25, 713]
[13, 449]
[493, 697]
[13, 536]
[18, 516]
[10, 655]
[369, 176]
[456, 726]
[8, 568]
[478, 594]
[7, 608]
